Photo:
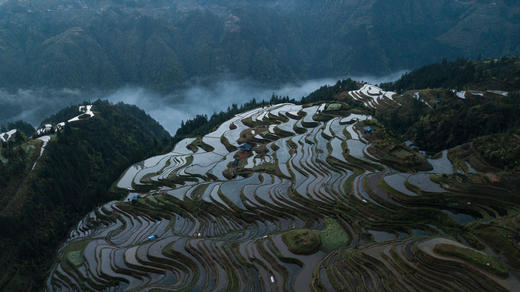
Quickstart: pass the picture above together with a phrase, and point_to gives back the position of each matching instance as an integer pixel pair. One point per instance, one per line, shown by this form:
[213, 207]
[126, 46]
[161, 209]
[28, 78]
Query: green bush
[479, 259]
[333, 236]
[302, 241]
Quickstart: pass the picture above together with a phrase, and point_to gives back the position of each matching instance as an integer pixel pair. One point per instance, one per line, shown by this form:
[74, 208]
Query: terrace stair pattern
[214, 233]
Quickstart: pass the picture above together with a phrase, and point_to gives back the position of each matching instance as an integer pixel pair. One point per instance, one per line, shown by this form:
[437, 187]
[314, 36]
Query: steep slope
[450, 103]
[295, 197]
[490, 74]
[54, 186]
[162, 44]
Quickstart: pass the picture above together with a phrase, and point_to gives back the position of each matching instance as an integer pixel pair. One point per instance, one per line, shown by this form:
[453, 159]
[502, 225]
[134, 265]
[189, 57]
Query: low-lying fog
[169, 109]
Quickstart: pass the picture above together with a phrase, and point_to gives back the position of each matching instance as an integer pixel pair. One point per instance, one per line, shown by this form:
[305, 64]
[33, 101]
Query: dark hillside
[73, 176]
[162, 44]
[490, 106]
[490, 74]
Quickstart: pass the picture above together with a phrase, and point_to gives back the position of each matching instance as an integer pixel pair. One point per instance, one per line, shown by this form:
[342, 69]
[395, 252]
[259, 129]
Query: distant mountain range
[161, 44]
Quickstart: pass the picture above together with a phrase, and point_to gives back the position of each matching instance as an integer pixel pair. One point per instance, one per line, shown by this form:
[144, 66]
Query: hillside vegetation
[74, 174]
[489, 74]
[451, 103]
[162, 44]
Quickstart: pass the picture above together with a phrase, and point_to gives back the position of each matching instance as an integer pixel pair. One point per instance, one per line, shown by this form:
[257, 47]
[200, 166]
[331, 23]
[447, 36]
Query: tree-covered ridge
[73, 175]
[501, 150]
[162, 44]
[24, 127]
[201, 125]
[489, 74]
[451, 121]
[434, 119]
[451, 103]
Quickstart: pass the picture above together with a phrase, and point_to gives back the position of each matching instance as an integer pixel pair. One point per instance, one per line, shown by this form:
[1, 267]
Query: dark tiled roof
[245, 146]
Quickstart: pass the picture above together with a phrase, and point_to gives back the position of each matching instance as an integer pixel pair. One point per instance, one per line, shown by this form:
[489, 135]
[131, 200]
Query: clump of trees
[12, 165]
[329, 92]
[22, 126]
[201, 124]
[501, 150]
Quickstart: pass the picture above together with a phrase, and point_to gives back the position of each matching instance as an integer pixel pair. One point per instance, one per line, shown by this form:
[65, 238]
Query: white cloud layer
[169, 109]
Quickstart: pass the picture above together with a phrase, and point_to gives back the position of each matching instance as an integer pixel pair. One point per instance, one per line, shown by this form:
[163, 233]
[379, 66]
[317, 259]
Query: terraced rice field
[202, 222]
[372, 96]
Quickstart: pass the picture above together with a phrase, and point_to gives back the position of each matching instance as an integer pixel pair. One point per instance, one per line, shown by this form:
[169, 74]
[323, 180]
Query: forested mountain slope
[161, 44]
[44, 191]
[501, 74]
[446, 104]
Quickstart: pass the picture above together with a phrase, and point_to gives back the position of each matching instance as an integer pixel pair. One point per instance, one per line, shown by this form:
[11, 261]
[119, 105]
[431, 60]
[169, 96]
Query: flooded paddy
[216, 220]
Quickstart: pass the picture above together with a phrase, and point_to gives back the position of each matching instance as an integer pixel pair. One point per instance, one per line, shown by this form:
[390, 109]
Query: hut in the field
[244, 150]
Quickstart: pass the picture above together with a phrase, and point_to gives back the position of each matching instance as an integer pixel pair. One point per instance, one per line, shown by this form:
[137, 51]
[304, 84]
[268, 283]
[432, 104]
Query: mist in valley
[33, 105]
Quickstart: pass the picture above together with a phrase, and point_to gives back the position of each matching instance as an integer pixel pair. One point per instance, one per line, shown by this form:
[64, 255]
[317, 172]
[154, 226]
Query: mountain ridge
[206, 39]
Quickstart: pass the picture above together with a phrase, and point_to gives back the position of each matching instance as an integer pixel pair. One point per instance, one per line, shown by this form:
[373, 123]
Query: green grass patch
[501, 239]
[229, 147]
[75, 258]
[198, 143]
[302, 241]
[333, 107]
[333, 236]
[479, 259]
[271, 168]
[73, 252]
